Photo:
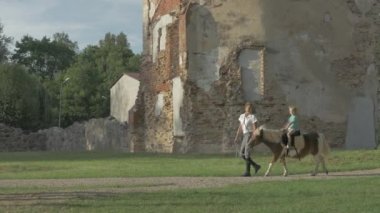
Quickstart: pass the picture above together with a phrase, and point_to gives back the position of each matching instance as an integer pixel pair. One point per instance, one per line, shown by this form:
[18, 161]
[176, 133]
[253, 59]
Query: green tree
[113, 57]
[49, 100]
[46, 58]
[97, 68]
[63, 39]
[82, 97]
[19, 97]
[4, 42]
[134, 63]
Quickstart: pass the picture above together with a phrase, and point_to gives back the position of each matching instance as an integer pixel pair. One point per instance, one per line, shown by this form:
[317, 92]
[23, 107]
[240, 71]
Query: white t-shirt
[247, 122]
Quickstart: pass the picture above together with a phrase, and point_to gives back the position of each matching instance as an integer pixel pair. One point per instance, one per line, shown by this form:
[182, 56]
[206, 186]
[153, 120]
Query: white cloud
[86, 21]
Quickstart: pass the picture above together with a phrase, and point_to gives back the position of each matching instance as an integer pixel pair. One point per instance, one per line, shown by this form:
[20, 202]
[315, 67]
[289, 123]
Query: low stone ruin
[104, 134]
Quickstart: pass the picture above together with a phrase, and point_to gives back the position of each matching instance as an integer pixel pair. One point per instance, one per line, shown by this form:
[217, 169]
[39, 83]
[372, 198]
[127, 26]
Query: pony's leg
[275, 157]
[324, 164]
[283, 152]
[268, 170]
[285, 173]
[317, 161]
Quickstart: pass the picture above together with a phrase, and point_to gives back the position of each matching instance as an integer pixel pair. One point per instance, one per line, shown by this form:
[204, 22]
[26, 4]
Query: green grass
[298, 196]
[339, 195]
[359, 194]
[41, 165]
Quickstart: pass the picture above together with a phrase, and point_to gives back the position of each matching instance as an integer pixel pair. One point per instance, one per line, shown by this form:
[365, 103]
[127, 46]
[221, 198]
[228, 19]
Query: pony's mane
[271, 135]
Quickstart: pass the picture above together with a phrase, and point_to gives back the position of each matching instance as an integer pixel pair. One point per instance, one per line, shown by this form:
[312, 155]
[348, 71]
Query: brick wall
[166, 6]
[210, 118]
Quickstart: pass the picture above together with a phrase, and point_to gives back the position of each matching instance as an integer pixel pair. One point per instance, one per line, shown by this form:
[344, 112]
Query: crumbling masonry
[204, 58]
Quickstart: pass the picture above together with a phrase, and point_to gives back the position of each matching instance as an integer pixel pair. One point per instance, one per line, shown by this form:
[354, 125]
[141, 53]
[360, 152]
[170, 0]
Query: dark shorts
[292, 135]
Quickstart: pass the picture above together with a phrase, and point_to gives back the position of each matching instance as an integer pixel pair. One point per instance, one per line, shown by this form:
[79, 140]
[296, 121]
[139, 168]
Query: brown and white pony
[311, 143]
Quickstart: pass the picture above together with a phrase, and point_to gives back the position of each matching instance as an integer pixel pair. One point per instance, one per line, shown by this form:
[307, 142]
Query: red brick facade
[165, 7]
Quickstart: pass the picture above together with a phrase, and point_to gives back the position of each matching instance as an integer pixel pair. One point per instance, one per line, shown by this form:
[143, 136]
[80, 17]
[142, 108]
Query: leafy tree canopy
[96, 70]
[45, 58]
[19, 97]
[32, 88]
[4, 42]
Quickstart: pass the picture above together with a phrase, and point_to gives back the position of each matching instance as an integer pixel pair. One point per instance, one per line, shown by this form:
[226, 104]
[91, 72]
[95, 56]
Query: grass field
[355, 194]
[37, 165]
[347, 195]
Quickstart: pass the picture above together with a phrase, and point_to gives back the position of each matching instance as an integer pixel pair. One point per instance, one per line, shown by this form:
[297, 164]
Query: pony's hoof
[266, 175]
[313, 174]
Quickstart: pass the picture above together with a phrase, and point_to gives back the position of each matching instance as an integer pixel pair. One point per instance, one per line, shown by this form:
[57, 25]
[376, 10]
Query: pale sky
[85, 21]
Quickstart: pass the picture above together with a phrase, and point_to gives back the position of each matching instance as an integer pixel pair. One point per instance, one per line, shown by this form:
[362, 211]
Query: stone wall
[93, 135]
[318, 55]
[71, 138]
[13, 139]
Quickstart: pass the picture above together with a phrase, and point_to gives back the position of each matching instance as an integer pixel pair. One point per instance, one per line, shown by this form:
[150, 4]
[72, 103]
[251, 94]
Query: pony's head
[269, 135]
[259, 133]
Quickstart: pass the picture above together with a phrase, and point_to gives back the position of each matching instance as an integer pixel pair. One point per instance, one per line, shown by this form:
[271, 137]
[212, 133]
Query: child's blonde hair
[293, 109]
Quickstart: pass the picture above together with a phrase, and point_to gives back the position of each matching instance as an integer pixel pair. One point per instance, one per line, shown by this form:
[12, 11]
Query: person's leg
[248, 147]
[293, 134]
[244, 151]
[284, 139]
[242, 147]
[247, 172]
[248, 152]
[255, 165]
[291, 138]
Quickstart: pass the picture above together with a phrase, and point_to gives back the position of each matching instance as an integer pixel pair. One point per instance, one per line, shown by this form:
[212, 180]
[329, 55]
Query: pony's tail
[323, 146]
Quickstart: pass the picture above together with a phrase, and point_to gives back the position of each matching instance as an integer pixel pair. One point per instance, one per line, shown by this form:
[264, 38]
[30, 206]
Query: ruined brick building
[204, 58]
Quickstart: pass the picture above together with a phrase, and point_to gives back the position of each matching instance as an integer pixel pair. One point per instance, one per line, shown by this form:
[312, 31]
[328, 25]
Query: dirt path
[148, 184]
[60, 190]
